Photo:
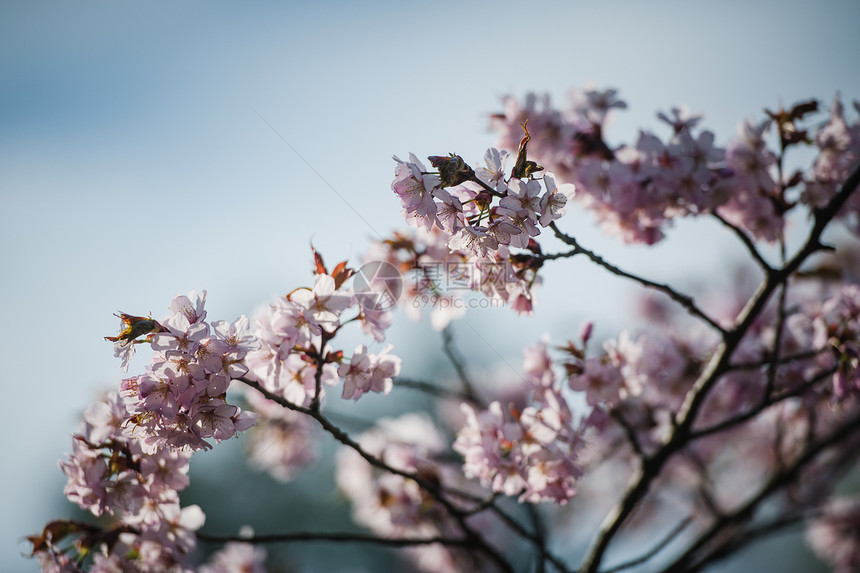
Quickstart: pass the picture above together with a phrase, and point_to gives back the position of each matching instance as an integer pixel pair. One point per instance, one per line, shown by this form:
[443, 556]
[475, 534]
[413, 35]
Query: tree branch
[447, 348]
[682, 299]
[753, 251]
[784, 359]
[641, 479]
[336, 538]
[434, 489]
[433, 390]
[517, 528]
[775, 483]
[765, 404]
[648, 555]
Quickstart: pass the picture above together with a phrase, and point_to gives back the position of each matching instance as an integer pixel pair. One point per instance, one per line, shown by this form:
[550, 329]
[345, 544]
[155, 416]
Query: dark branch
[433, 390]
[337, 538]
[784, 359]
[520, 530]
[629, 432]
[753, 412]
[433, 489]
[448, 349]
[641, 479]
[682, 299]
[779, 480]
[648, 555]
[746, 241]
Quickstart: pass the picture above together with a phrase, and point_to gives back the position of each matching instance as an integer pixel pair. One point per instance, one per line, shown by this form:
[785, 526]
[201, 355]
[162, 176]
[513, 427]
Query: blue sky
[134, 163]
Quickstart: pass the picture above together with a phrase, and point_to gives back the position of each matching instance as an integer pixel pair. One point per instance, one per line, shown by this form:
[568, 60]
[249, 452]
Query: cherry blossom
[732, 407]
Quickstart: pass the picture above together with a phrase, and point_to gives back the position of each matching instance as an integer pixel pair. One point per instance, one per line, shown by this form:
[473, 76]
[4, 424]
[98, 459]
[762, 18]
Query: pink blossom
[493, 172]
[236, 334]
[449, 212]
[538, 366]
[237, 557]
[193, 311]
[522, 196]
[323, 303]
[553, 204]
[282, 442]
[601, 381]
[834, 535]
[415, 188]
[368, 372]
[473, 240]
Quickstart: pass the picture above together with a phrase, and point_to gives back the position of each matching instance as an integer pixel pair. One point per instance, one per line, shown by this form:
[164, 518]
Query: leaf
[318, 262]
[523, 168]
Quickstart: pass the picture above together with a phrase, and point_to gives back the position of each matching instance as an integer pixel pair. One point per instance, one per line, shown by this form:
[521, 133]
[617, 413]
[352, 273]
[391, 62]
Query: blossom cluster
[705, 402]
[440, 278]
[283, 441]
[131, 457]
[637, 189]
[459, 200]
[531, 454]
[468, 221]
[132, 454]
[110, 472]
[833, 536]
[393, 505]
[294, 359]
[180, 401]
[837, 330]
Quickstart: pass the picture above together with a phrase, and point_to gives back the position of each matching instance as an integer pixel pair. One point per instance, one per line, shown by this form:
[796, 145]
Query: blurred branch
[648, 555]
[540, 535]
[337, 538]
[773, 367]
[434, 390]
[447, 348]
[537, 540]
[641, 479]
[784, 359]
[629, 432]
[763, 405]
[435, 490]
[777, 481]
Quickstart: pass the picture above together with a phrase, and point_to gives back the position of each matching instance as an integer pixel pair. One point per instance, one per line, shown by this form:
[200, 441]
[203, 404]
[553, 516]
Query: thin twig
[682, 299]
[432, 488]
[520, 530]
[746, 536]
[773, 367]
[540, 534]
[780, 479]
[648, 555]
[747, 241]
[554, 256]
[640, 481]
[448, 349]
[629, 432]
[337, 538]
[784, 359]
[761, 406]
[433, 390]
